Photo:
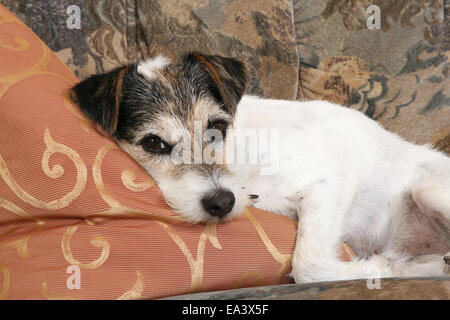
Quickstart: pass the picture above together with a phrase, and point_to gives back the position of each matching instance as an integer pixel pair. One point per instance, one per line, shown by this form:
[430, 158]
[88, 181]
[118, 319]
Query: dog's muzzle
[219, 204]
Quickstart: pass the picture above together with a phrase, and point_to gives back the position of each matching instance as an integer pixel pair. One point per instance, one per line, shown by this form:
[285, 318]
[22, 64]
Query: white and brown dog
[343, 176]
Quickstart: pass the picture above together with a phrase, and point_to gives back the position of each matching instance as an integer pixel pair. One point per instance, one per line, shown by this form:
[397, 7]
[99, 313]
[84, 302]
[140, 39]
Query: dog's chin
[236, 212]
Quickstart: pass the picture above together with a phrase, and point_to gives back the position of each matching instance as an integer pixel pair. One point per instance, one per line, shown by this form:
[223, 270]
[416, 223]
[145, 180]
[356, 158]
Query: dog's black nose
[219, 204]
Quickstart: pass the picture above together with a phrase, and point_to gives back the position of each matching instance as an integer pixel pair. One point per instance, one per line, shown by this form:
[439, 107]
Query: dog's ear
[99, 98]
[228, 74]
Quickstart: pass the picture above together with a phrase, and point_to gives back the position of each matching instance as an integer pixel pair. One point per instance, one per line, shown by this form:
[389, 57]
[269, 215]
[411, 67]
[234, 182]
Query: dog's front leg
[322, 212]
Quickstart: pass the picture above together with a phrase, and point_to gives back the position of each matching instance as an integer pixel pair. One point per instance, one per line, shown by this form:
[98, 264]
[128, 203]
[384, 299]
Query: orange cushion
[69, 196]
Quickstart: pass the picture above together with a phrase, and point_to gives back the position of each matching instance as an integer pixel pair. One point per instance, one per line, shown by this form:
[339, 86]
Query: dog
[339, 173]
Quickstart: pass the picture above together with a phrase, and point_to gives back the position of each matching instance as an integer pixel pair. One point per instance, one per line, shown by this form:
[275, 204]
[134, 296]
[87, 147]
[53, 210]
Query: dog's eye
[220, 125]
[154, 144]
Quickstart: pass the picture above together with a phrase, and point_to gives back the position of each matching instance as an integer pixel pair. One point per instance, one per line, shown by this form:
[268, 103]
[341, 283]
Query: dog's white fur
[344, 177]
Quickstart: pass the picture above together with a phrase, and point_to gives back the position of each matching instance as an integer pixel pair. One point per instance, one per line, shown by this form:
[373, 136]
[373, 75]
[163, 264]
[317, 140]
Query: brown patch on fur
[72, 95]
[427, 232]
[118, 93]
[212, 71]
[210, 68]
[230, 76]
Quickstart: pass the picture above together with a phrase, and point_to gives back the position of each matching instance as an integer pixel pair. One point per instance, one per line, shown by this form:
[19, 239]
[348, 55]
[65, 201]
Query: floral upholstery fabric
[397, 75]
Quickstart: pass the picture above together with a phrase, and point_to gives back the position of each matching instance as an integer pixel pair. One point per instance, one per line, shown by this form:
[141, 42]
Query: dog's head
[154, 106]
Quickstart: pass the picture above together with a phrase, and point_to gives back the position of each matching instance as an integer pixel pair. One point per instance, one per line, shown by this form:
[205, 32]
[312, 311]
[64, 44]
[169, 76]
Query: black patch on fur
[228, 76]
[140, 100]
[98, 97]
